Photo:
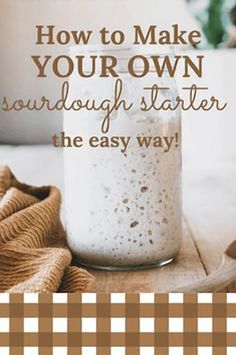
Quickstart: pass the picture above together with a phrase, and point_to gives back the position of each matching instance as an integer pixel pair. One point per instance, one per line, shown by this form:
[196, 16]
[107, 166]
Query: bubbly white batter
[123, 209]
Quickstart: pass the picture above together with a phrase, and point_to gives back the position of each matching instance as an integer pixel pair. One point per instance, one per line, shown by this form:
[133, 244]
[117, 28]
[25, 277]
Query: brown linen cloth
[34, 256]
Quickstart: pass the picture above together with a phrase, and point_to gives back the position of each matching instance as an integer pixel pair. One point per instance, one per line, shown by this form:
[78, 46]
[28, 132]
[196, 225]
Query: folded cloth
[34, 256]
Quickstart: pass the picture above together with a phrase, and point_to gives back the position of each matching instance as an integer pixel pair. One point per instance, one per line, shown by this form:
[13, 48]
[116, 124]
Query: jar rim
[124, 51]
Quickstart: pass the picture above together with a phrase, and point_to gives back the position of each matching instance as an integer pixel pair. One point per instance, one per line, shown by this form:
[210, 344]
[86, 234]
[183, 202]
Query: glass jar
[123, 206]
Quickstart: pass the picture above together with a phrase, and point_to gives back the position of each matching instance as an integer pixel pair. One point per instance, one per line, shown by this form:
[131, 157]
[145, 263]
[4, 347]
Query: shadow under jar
[123, 206]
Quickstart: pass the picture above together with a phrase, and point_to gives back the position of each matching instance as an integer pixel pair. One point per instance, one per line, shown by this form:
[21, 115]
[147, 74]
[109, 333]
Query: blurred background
[218, 22]
[216, 19]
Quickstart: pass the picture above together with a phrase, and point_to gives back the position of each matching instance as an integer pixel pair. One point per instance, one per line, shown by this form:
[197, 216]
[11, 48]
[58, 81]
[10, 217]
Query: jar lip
[124, 51]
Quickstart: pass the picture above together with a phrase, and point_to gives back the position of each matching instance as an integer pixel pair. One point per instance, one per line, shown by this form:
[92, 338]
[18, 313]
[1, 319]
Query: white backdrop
[17, 77]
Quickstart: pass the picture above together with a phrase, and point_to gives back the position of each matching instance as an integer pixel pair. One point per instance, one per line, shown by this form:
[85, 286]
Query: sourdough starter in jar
[123, 208]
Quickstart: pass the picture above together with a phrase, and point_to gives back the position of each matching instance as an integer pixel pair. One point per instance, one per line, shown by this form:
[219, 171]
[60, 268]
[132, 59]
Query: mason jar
[123, 205]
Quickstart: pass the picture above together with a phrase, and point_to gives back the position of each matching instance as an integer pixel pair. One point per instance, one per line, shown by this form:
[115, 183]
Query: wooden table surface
[209, 214]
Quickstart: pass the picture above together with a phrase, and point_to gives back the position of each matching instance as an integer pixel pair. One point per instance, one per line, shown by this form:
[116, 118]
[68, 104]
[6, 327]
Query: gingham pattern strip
[118, 324]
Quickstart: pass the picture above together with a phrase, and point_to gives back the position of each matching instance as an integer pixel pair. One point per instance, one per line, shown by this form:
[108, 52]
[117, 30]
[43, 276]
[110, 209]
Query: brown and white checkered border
[118, 324]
